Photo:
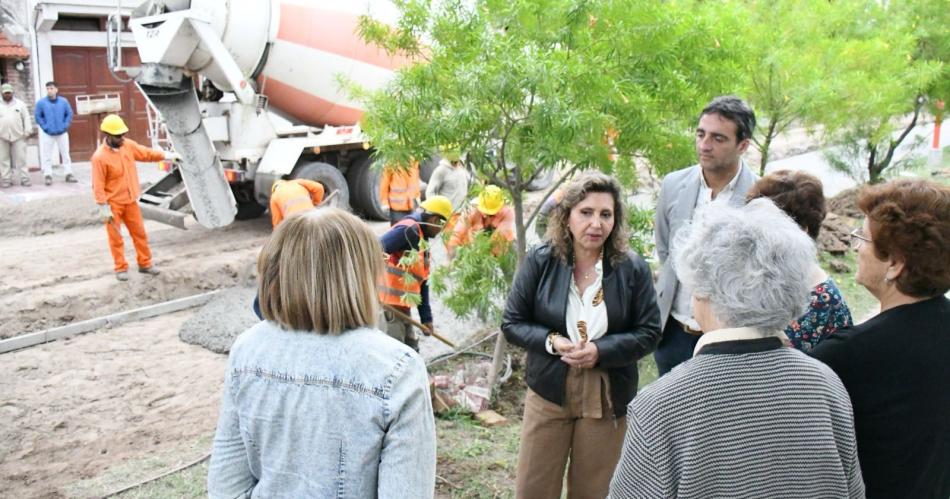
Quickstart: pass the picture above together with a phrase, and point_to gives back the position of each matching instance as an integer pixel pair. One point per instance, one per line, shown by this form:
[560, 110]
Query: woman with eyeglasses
[801, 197]
[896, 366]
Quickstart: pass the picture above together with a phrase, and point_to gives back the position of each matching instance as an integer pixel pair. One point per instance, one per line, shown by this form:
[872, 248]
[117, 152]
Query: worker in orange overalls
[115, 185]
[490, 214]
[399, 190]
[293, 196]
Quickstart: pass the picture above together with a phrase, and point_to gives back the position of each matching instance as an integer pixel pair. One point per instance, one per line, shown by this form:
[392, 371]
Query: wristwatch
[550, 342]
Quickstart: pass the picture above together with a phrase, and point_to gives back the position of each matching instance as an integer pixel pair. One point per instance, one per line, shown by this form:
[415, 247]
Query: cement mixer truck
[249, 92]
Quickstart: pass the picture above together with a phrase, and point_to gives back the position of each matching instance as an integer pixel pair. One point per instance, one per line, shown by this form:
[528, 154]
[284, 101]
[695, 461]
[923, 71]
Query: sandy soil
[53, 274]
[72, 409]
[91, 414]
[75, 409]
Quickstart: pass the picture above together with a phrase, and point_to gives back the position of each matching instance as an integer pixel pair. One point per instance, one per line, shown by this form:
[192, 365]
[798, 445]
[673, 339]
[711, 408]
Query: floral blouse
[827, 312]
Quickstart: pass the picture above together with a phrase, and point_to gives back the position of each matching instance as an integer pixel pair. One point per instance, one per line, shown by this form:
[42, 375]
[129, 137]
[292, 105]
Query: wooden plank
[111, 320]
[490, 418]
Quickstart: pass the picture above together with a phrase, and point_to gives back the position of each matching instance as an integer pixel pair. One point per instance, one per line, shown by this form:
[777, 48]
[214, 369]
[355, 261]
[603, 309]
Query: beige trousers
[400, 330]
[13, 157]
[583, 435]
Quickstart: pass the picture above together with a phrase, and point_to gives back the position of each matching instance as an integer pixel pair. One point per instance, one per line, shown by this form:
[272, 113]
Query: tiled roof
[12, 49]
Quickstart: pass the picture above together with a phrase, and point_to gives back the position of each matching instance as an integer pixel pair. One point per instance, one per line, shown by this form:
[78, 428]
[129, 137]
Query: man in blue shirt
[54, 115]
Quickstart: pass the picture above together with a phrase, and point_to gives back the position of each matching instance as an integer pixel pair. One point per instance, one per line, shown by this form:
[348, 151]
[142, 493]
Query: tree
[890, 86]
[529, 86]
[794, 63]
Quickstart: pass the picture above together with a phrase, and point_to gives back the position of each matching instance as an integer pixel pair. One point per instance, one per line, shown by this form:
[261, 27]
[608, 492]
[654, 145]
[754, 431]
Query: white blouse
[586, 315]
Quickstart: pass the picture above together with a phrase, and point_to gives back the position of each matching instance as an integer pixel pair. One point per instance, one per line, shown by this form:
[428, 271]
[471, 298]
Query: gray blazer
[675, 207]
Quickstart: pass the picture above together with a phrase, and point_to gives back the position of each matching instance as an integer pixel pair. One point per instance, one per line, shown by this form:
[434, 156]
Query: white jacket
[15, 121]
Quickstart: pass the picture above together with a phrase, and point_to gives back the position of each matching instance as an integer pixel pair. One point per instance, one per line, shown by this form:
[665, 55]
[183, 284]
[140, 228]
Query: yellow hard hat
[440, 205]
[113, 125]
[491, 200]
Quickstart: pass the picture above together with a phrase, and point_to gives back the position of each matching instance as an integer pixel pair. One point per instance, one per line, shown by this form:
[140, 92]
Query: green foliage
[793, 64]
[888, 85]
[930, 24]
[526, 86]
[479, 279]
[640, 227]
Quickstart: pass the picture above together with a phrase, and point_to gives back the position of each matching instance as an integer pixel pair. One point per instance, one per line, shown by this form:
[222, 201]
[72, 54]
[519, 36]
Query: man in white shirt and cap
[15, 127]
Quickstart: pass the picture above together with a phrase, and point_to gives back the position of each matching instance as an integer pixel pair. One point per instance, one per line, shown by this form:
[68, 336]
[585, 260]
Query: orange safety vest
[398, 188]
[294, 196]
[394, 286]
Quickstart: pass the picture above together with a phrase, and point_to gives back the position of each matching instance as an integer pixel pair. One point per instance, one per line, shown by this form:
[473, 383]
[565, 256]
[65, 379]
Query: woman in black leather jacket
[584, 308]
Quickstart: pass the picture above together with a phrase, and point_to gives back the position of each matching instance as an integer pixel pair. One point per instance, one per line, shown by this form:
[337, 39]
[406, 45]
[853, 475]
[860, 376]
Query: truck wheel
[248, 210]
[364, 184]
[332, 181]
[247, 206]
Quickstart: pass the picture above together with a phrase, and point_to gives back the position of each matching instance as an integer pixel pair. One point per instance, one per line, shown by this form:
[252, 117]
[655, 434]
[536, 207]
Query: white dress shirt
[683, 300]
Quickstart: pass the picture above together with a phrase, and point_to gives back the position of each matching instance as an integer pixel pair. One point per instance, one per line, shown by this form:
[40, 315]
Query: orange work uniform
[115, 180]
[502, 224]
[399, 280]
[398, 187]
[293, 196]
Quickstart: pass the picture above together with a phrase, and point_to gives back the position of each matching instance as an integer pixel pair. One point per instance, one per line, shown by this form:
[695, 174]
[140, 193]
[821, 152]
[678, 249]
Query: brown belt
[688, 330]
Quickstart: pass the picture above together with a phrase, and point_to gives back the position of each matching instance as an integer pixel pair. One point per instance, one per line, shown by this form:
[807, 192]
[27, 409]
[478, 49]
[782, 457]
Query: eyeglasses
[857, 239]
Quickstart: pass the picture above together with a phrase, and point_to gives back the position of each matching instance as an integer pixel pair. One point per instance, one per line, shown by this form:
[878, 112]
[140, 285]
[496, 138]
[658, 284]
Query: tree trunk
[764, 160]
[872, 171]
[517, 201]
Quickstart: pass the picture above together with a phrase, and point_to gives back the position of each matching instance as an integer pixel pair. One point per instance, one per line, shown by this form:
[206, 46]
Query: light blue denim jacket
[307, 415]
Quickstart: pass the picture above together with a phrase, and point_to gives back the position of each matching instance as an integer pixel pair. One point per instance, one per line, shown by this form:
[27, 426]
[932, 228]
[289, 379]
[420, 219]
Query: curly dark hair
[558, 233]
[910, 221]
[798, 194]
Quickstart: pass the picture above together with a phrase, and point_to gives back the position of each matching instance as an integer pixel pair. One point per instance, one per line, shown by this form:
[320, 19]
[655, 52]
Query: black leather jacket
[537, 305]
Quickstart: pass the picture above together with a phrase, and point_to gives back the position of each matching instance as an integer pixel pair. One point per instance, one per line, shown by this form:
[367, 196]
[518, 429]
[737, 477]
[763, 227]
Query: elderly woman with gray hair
[727, 423]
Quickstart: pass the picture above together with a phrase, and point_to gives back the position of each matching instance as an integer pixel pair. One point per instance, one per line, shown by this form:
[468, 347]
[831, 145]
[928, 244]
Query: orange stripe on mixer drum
[333, 32]
[309, 108]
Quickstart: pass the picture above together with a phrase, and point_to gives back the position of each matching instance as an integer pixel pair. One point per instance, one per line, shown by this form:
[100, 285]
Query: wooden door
[84, 71]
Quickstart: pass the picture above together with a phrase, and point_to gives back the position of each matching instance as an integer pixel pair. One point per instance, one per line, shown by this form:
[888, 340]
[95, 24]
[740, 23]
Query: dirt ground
[89, 415]
[74, 409]
[55, 266]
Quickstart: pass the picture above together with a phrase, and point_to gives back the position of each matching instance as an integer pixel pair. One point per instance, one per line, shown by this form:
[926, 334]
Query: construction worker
[15, 127]
[404, 279]
[115, 185]
[490, 214]
[399, 190]
[450, 179]
[293, 196]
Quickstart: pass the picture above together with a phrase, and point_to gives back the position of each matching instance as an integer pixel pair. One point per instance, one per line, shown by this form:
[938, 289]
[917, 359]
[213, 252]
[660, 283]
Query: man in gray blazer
[722, 136]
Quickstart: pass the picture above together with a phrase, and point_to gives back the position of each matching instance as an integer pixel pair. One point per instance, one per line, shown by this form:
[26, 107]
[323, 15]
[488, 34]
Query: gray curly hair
[752, 263]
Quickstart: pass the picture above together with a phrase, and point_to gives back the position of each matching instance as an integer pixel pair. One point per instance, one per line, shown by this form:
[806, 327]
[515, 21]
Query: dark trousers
[395, 216]
[675, 348]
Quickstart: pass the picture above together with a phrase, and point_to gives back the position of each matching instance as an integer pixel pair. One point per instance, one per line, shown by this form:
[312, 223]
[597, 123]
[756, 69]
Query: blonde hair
[318, 273]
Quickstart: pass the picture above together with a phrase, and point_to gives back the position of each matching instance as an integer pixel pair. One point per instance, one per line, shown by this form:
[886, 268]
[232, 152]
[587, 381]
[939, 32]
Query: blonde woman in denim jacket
[317, 402]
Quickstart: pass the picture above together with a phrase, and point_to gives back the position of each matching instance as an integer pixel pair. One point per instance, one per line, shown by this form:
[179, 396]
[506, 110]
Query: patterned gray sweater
[741, 419]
